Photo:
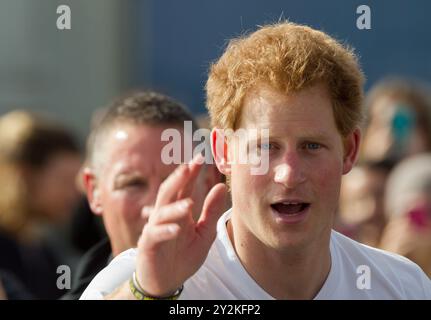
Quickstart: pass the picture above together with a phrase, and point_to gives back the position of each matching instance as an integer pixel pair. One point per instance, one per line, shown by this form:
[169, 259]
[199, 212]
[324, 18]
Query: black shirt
[93, 261]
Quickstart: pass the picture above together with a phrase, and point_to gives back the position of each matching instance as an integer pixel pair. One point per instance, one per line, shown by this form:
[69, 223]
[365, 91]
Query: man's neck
[290, 274]
[118, 248]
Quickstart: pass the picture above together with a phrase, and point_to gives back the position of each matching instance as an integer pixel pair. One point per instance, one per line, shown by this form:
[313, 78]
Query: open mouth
[290, 208]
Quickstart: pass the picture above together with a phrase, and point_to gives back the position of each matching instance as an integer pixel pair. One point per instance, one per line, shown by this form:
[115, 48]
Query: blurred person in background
[398, 121]
[361, 213]
[408, 210]
[38, 164]
[125, 170]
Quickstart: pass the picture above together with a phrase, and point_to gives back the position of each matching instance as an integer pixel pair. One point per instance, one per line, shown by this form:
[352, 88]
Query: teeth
[291, 203]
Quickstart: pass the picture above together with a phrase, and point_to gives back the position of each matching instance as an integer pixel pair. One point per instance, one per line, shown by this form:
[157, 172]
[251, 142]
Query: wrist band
[139, 293]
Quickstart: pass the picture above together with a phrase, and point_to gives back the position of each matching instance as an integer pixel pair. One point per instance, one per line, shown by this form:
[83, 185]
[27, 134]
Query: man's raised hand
[173, 246]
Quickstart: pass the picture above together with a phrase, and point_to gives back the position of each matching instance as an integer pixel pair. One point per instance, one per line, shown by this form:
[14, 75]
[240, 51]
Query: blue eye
[266, 146]
[313, 146]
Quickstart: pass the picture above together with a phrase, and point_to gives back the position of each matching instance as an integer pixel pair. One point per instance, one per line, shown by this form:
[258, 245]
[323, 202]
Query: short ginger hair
[289, 57]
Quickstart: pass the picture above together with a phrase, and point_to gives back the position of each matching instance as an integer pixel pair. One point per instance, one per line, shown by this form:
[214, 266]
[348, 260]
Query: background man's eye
[137, 183]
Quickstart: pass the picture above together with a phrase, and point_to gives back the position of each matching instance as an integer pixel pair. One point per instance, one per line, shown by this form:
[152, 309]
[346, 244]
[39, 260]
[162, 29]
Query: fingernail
[172, 229]
[146, 210]
[183, 204]
[199, 158]
[179, 170]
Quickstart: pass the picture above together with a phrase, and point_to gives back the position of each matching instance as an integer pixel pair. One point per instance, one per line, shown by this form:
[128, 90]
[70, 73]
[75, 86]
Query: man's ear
[92, 191]
[220, 151]
[351, 150]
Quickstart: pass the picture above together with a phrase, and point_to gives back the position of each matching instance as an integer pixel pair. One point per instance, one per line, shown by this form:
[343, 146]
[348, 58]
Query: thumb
[212, 210]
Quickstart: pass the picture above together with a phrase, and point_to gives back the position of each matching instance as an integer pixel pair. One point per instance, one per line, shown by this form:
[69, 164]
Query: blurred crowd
[385, 201]
[49, 204]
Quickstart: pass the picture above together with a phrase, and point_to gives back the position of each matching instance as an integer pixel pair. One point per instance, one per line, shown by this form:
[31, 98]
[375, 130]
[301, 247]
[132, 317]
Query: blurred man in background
[125, 170]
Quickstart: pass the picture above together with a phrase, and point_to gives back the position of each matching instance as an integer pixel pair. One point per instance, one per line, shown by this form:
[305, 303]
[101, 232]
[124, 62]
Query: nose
[289, 173]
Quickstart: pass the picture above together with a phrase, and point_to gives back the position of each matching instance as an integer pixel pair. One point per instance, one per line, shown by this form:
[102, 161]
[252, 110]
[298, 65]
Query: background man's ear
[219, 150]
[92, 191]
[351, 150]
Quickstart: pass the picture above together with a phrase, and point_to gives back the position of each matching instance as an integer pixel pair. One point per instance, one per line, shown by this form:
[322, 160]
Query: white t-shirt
[357, 272]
